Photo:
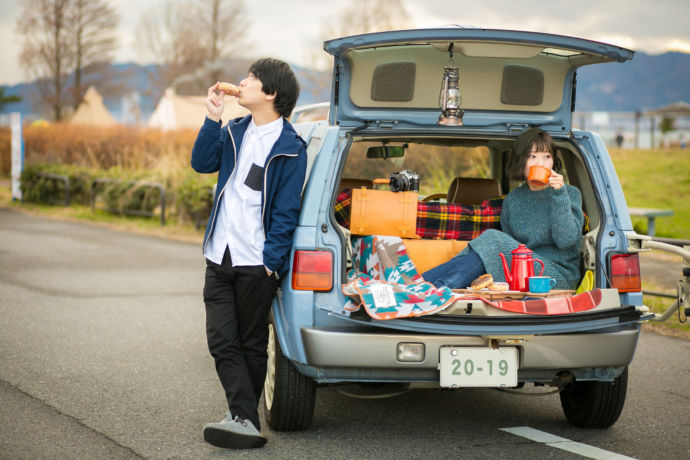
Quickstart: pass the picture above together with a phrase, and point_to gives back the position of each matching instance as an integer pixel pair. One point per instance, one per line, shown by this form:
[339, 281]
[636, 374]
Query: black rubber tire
[595, 404]
[292, 406]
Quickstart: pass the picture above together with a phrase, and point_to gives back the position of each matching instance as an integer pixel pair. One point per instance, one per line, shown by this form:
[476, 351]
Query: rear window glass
[436, 165]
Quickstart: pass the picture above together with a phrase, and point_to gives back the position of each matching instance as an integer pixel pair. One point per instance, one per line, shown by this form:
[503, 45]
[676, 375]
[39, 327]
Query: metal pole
[162, 205]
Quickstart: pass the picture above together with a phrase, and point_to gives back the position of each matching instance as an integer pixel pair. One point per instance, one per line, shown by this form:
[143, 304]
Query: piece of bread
[482, 282]
[229, 88]
[498, 286]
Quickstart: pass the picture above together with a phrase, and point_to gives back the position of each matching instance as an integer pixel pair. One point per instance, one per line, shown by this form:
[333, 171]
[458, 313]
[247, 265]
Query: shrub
[41, 189]
[118, 153]
[194, 196]
[189, 195]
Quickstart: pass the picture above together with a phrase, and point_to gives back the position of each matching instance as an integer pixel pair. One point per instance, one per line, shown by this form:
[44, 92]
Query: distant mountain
[645, 82]
[125, 80]
[133, 84]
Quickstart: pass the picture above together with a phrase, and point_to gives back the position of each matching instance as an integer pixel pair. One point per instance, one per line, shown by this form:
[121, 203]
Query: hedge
[188, 197]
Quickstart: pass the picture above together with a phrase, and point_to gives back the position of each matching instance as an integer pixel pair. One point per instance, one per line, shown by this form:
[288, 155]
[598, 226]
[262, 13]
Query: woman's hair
[522, 148]
[277, 77]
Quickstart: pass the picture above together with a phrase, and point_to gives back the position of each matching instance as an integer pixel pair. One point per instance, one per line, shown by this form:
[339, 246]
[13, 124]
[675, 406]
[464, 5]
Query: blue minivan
[448, 104]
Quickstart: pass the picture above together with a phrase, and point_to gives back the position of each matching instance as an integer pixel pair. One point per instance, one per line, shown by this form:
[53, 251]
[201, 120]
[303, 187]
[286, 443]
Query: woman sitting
[547, 219]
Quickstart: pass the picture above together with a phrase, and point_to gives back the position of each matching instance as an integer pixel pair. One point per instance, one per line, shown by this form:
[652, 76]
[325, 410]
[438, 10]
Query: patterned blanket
[386, 283]
[439, 220]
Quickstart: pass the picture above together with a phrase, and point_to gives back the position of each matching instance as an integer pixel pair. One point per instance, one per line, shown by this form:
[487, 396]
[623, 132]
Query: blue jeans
[458, 272]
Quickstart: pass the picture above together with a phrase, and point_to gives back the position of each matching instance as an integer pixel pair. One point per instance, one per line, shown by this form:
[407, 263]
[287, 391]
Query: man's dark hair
[522, 148]
[277, 77]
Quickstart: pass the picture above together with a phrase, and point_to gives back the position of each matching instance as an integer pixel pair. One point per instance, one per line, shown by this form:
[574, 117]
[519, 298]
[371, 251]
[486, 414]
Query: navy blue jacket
[216, 149]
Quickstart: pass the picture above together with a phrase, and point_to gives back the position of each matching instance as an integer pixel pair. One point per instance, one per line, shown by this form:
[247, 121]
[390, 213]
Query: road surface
[103, 355]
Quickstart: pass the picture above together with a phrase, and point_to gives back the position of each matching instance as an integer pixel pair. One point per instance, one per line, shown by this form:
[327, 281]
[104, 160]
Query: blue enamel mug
[541, 284]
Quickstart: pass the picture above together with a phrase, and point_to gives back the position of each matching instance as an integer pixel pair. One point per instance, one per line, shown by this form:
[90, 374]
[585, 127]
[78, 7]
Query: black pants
[237, 301]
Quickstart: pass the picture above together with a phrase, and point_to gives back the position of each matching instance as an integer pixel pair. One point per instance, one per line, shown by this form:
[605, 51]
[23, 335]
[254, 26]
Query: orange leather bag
[382, 212]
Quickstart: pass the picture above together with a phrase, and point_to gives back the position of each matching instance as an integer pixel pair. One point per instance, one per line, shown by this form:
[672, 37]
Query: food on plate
[229, 88]
[498, 286]
[482, 282]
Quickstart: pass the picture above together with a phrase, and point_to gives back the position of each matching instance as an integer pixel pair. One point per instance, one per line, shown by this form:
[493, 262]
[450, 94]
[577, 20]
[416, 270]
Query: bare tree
[227, 24]
[357, 17]
[65, 38]
[46, 53]
[365, 16]
[92, 24]
[192, 39]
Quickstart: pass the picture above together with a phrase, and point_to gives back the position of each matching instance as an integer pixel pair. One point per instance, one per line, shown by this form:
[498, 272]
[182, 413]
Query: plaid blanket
[545, 306]
[440, 221]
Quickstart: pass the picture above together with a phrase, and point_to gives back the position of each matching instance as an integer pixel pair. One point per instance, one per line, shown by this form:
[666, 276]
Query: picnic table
[651, 214]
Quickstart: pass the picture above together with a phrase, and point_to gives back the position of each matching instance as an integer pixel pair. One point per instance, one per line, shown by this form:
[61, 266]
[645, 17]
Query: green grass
[657, 179]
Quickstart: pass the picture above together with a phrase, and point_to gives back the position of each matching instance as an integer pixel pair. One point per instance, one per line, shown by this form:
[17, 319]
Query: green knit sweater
[549, 222]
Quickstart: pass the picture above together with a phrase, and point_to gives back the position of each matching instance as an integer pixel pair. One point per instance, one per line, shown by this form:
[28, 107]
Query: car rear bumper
[373, 354]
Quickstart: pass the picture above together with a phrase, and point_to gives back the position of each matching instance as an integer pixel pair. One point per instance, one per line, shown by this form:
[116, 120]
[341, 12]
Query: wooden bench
[651, 214]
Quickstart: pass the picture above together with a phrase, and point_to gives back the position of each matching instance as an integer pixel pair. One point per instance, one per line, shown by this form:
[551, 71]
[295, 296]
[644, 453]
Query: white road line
[563, 443]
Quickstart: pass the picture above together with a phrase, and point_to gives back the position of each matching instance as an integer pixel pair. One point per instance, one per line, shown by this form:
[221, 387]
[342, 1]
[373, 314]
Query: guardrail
[673, 241]
[683, 244]
[61, 178]
[135, 212]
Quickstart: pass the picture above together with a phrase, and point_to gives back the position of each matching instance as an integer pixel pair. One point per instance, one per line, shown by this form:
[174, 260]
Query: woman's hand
[214, 102]
[555, 180]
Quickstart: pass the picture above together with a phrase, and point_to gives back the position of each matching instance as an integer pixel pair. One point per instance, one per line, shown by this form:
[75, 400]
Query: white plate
[478, 367]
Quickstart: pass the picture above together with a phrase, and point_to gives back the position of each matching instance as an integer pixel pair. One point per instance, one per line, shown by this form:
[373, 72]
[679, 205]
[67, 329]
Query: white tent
[92, 111]
[174, 111]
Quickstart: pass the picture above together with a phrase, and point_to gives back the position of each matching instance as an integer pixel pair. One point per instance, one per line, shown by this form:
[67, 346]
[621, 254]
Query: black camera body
[404, 181]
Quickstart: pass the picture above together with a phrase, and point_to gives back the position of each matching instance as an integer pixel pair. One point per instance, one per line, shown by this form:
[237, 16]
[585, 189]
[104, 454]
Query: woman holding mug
[547, 218]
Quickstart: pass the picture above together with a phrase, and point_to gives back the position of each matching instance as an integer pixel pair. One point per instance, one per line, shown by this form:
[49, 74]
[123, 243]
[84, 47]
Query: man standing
[261, 164]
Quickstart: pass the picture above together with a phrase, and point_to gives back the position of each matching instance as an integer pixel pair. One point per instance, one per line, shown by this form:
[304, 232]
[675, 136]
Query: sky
[292, 29]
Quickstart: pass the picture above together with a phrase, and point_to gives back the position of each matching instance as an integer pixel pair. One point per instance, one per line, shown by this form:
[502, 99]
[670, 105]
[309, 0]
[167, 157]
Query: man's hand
[214, 102]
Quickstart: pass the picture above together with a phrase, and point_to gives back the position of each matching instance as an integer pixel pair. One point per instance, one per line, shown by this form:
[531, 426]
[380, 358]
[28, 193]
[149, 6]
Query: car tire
[595, 404]
[289, 396]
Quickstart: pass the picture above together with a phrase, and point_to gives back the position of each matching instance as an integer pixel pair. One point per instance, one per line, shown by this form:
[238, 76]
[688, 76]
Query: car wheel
[595, 404]
[288, 395]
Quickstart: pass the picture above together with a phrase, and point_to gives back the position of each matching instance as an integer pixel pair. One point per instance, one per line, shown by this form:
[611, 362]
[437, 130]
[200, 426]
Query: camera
[404, 181]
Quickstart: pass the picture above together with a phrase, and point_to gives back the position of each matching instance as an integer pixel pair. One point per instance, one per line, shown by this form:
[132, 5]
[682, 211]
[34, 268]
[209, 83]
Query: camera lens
[397, 183]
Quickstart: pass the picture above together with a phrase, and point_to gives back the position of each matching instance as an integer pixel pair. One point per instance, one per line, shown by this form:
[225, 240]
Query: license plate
[478, 367]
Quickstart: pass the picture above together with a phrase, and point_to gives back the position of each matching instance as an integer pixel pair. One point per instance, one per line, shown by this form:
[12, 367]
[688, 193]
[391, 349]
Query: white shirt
[239, 224]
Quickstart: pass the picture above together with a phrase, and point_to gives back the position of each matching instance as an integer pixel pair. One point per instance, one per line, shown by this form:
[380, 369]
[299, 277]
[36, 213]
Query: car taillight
[625, 272]
[312, 271]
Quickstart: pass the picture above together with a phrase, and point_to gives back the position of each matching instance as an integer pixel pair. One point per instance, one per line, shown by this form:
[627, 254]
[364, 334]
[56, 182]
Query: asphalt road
[103, 355]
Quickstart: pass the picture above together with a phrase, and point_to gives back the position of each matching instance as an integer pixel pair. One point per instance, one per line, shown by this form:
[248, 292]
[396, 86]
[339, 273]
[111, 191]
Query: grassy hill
[657, 178]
